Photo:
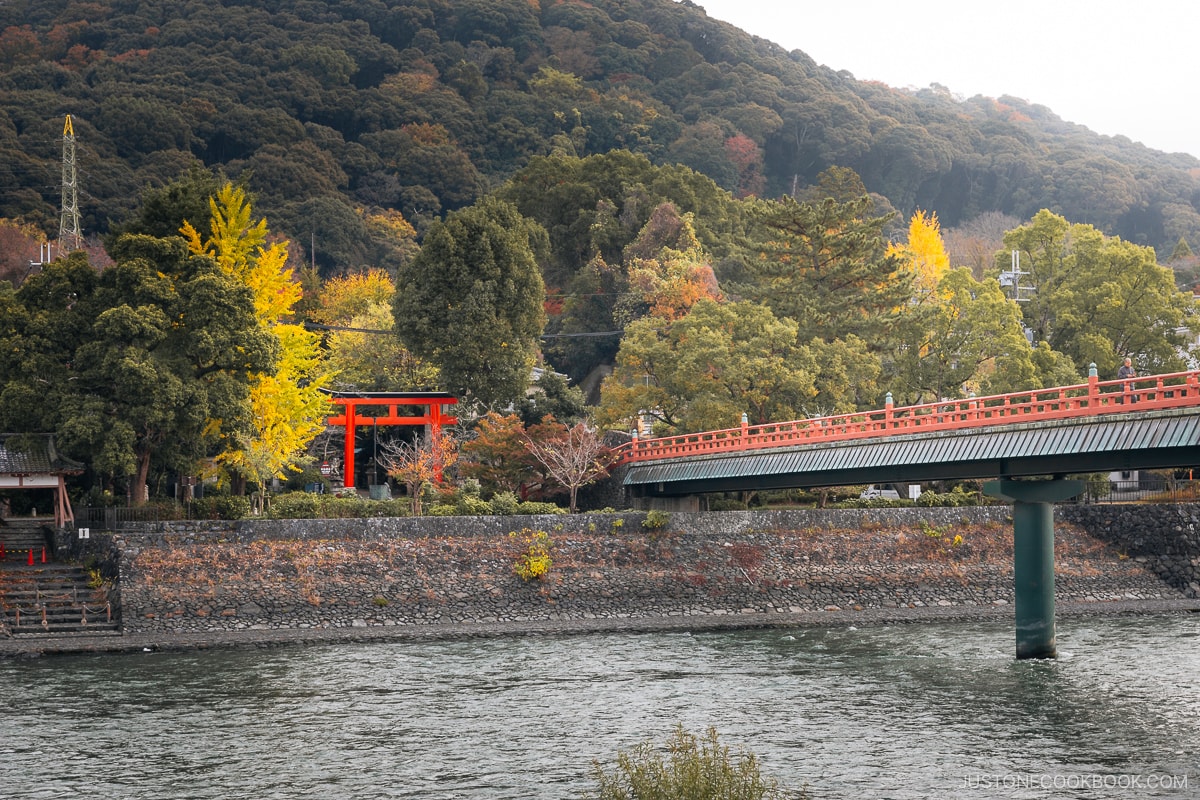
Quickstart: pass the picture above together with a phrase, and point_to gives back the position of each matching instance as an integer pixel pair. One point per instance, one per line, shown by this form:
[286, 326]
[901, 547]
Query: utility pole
[1011, 280]
[69, 237]
[1020, 292]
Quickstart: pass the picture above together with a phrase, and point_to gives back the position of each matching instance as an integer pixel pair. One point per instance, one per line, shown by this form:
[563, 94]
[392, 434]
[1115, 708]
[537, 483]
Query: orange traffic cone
[31, 556]
[43, 555]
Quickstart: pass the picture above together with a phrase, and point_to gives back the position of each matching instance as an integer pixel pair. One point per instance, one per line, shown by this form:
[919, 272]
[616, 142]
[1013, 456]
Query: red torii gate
[389, 404]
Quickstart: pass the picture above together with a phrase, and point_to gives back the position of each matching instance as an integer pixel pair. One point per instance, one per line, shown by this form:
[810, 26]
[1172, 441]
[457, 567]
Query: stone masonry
[194, 578]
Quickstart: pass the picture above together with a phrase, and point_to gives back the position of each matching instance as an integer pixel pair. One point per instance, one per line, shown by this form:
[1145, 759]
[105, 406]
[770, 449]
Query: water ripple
[905, 711]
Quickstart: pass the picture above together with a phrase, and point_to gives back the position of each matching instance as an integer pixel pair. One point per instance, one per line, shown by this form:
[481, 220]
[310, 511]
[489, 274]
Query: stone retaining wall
[201, 577]
[1166, 538]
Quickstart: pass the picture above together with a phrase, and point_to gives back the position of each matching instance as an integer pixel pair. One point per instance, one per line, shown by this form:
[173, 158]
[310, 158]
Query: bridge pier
[1033, 558]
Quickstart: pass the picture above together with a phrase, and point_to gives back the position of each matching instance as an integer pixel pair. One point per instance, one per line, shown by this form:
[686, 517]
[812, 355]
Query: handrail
[1096, 397]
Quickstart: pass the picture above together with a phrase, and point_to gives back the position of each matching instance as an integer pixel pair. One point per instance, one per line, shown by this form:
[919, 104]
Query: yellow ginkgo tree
[924, 256]
[288, 406]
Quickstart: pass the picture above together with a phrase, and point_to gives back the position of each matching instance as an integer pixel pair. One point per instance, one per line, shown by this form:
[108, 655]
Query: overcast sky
[1127, 68]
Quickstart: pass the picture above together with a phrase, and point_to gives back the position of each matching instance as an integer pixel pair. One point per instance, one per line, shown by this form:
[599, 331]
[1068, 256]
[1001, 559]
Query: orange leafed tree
[497, 456]
[419, 463]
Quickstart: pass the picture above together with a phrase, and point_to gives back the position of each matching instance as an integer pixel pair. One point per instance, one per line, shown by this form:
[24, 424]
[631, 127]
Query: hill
[332, 109]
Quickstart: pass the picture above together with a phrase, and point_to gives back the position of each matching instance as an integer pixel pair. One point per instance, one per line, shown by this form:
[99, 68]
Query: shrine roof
[33, 454]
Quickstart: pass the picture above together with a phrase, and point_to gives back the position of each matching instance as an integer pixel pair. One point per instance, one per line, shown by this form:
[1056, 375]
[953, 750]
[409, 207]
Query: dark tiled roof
[32, 454]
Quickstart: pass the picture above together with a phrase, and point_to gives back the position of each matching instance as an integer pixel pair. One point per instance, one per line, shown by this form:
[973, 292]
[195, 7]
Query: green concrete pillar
[1033, 558]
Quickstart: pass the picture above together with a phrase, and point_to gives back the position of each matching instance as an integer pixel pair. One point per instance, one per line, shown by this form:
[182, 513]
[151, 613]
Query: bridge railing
[1154, 392]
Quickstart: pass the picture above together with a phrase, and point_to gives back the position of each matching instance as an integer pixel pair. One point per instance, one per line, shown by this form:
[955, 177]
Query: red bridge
[1142, 423]
[1091, 399]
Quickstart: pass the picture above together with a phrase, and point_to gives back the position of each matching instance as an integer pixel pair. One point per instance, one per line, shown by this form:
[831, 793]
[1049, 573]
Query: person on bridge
[1124, 373]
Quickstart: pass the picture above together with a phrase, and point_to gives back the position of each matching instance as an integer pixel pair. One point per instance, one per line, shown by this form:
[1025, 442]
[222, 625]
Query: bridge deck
[1098, 426]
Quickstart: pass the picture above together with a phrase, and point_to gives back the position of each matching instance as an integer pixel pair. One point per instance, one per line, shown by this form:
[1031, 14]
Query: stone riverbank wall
[191, 578]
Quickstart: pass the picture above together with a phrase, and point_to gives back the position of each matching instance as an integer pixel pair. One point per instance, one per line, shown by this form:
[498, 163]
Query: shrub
[534, 561]
[726, 504]
[305, 505]
[692, 768]
[294, 505]
[221, 507]
[533, 507]
[956, 498]
[655, 519]
[505, 503]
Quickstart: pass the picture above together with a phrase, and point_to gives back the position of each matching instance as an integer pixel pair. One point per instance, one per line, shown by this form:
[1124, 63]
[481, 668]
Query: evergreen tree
[824, 265]
[133, 365]
[471, 302]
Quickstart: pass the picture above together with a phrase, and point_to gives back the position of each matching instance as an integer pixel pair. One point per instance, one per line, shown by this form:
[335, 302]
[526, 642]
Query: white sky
[1116, 67]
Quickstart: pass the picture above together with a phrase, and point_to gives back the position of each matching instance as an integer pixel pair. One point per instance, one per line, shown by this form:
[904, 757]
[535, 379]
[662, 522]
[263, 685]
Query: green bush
[692, 768]
[294, 505]
[875, 502]
[532, 507]
[473, 506]
[725, 504]
[505, 503]
[954, 498]
[306, 505]
[655, 519]
[221, 506]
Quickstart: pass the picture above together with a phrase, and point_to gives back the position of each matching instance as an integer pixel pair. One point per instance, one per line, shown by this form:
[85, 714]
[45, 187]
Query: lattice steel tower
[69, 236]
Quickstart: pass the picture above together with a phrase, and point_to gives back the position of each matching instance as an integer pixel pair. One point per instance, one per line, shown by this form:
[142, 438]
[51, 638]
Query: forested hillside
[335, 113]
[693, 226]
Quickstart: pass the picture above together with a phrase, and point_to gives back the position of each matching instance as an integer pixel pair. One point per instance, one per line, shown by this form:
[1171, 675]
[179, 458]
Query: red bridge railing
[1172, 390]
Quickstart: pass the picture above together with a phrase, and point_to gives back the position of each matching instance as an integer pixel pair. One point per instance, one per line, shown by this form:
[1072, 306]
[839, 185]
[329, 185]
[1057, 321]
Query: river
[906, 711]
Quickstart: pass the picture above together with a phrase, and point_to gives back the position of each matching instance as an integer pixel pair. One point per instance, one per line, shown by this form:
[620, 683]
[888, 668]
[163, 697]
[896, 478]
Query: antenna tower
[69, 237]
[1011, 280]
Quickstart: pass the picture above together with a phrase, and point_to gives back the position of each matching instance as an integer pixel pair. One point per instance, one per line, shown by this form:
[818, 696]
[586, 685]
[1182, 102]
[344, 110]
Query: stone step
[53, 600]
[34, 619]
[98, 629]
[11, 540]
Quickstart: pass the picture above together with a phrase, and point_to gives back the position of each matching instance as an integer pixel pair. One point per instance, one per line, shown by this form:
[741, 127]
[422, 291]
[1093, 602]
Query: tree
[824, 265]
[1098, 299]
[151, 359]
[162, 211]
[845, 375]
[924, 256]
[418, 463]
[472, 302]
[965, 337]
[705, 369]
[288, 404]
[497, 456]
[20, 244]
[551, 394]
[362, 356]
[573, 457]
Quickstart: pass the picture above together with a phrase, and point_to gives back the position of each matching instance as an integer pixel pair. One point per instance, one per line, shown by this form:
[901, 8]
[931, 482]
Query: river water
[909, 711]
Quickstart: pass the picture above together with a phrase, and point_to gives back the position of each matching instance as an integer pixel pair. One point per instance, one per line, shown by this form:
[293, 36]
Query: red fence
[1173, 390]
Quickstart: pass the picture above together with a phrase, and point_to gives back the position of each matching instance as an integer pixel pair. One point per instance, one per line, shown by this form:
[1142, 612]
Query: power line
[312, 326]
